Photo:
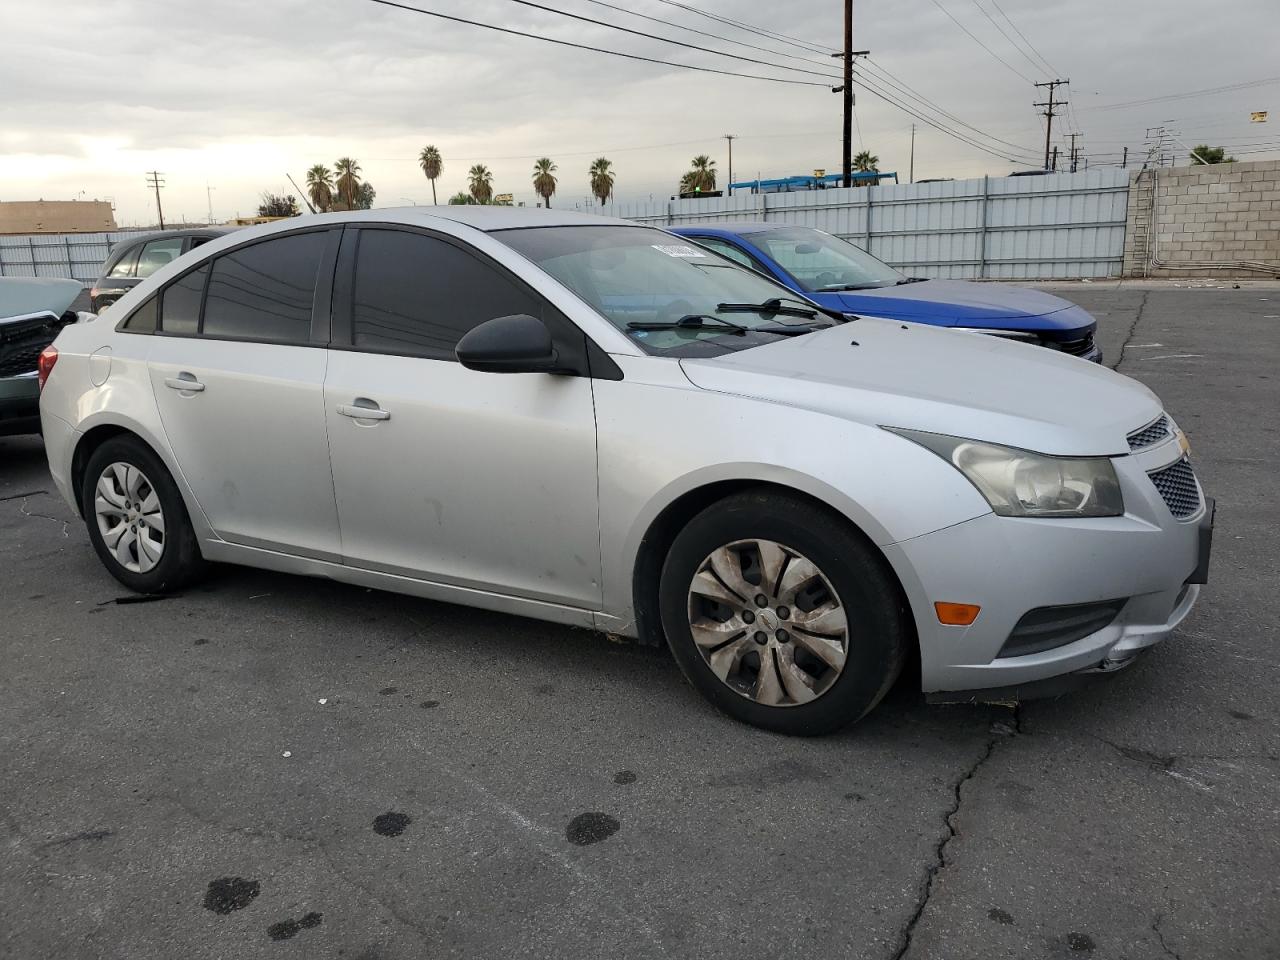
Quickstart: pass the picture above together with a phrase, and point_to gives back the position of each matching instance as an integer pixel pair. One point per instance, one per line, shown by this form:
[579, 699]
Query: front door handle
[362, 409]
[184, 382]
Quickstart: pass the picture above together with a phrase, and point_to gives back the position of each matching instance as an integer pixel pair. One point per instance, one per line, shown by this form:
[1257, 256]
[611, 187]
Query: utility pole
[1074, 156]
[301, 194]
[911, 176]
[208, 192]
[1050, 114]
[154, 181]
[1124, 160]
[847, 89]
[731, 137]
[1054, 168]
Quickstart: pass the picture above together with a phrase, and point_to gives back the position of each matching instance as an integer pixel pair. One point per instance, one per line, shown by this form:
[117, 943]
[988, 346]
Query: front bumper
[1010, 566]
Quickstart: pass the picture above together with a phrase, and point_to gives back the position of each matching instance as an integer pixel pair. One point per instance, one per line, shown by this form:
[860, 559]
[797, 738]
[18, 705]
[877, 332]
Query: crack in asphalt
[22, 508]
[1133, 329]
[23, 496]
[1155, 927]
[1000, 730]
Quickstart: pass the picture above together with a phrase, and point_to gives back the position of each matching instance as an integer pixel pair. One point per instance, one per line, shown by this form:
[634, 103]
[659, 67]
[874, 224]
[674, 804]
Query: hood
[960, 303]
[963, 384]
[20, 296]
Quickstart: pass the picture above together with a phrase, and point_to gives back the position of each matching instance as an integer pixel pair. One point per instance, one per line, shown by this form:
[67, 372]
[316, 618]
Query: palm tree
[703, 175]
[348, 183]
[481, 184]
[432, 166]
[544, 183]
[866, 162]
[320, 187]
[602, 179]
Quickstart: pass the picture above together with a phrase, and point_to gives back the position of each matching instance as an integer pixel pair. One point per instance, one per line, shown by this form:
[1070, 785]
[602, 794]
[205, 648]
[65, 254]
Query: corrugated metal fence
[76, 255]
[1056, 226]
[1006, 228]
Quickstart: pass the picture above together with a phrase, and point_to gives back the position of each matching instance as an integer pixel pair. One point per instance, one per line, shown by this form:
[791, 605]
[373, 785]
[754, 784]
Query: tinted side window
[157, 254]
[180, 304]
[124, 268]
[417, 295]
[143, 320]
[264, 291]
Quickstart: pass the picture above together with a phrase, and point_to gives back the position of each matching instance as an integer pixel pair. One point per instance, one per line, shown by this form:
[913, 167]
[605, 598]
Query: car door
[442, 473]
[238, 368]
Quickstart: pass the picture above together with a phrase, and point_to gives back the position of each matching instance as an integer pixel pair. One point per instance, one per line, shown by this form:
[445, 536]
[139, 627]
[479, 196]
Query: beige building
[56, 216]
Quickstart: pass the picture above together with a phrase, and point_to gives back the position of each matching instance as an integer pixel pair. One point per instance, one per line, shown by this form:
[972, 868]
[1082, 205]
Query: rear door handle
[363, 409]
[184, 382]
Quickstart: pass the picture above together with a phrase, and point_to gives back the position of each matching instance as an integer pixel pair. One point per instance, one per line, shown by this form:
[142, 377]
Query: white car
[596, 423]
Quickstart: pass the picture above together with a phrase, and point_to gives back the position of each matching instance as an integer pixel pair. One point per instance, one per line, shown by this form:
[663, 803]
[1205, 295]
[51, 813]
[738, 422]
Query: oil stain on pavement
[287, 929]
[228, 894]
[391, 824]
[588, 828]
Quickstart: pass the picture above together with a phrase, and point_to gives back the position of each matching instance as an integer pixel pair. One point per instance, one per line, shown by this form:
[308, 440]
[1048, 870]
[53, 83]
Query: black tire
[867, 590]
[180, 562]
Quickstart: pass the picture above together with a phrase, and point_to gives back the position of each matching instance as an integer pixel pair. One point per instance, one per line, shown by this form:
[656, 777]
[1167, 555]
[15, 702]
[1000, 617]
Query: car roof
[739, 228]
[184, 232]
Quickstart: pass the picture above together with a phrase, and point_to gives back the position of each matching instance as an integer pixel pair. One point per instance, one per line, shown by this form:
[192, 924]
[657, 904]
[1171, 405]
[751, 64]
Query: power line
[1191, 93]
[883, 75]
[761, 31]
[1005, 33]
[704, 33]
[661, 39]
[583, 46]
[980, 43]
[1053, 70]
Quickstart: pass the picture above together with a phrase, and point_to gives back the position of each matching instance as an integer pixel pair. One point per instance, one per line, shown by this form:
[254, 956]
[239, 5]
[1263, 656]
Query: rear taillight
[44, 366]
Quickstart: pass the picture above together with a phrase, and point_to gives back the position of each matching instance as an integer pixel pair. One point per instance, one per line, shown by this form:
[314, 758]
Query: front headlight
[1018, 483]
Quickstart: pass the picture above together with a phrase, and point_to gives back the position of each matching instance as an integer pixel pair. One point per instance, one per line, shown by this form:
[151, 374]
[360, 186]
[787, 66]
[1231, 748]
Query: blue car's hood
[957, 303]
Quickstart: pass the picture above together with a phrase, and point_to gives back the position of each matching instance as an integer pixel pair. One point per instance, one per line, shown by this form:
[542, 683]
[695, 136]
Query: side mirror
[515, 344]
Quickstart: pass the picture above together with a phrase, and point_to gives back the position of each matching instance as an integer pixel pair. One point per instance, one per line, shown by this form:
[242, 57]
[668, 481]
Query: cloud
[235, 93]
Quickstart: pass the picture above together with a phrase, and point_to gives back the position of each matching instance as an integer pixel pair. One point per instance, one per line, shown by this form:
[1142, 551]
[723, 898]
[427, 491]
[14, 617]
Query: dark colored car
[33, 310]
[841, 276]
[133, 260]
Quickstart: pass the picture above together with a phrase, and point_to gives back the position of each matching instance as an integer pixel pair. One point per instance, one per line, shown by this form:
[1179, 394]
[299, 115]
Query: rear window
[157, 254]
[124, 267]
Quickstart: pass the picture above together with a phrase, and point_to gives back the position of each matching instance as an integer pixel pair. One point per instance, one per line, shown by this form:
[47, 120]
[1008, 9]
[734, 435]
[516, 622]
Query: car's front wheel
[136, 518]
[781, 614]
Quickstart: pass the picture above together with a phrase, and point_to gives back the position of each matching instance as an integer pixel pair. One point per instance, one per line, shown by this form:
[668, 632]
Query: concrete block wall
[1214, 220]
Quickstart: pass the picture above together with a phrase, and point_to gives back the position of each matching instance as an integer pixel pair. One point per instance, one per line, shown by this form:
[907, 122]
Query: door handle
[358, 411]
[184, 382]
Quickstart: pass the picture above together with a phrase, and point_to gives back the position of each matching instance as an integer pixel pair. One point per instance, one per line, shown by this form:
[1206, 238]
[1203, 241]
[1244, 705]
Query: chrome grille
[1076, 348]
[1176, 484]
[1151, 434]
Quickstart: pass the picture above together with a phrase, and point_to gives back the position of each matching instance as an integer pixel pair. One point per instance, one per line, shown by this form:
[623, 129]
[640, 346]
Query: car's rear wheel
[136, 518]
[781, 614]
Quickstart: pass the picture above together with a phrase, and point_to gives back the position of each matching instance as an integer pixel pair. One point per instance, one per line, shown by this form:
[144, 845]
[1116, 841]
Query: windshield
[819, 261]
[640, 278]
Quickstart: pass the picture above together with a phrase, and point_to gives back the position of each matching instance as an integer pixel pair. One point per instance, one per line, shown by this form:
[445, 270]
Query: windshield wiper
[690, 321]
[910, 280]
[697, 321]
[851, 286]
[770, 306]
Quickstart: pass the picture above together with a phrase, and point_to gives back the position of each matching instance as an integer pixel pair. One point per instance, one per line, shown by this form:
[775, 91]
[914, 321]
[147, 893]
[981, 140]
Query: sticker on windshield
[678, 250]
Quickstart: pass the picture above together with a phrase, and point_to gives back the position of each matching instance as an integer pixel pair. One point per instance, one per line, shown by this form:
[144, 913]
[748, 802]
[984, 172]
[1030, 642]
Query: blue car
[843, 277]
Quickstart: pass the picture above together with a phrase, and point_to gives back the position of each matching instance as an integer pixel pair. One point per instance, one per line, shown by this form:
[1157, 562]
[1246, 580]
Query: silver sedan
[598, 423]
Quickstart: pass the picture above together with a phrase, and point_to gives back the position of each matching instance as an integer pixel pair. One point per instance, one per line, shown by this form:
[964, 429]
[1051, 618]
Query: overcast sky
[235, 93]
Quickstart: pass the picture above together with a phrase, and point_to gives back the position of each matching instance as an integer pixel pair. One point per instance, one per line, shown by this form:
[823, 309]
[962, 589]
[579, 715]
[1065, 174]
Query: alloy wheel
[768, 622]
[130, 519]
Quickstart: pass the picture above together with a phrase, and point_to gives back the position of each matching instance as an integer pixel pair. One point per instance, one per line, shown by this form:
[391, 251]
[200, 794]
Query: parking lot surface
[273, 766]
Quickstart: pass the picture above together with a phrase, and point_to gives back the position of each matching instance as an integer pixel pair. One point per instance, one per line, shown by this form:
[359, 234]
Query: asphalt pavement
[274, 766]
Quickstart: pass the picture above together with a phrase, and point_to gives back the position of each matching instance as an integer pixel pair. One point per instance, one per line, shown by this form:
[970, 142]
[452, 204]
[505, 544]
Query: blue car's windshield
[820, 262]
[672, 296]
